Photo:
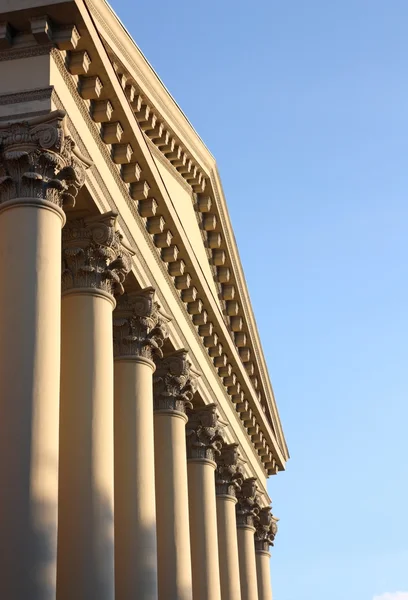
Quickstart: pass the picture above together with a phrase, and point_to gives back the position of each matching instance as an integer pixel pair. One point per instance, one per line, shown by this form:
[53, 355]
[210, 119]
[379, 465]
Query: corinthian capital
[174, 383]
[38, 160]
[228, 476]
[266, 529]
[247, 508]
[204, 433]
[94, 255]
[139, 327]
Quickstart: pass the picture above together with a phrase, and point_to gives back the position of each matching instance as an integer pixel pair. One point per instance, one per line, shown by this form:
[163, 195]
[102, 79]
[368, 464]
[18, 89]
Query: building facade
[138, 424]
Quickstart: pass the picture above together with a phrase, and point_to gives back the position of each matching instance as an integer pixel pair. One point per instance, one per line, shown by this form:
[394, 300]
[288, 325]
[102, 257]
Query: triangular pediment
[183, 200]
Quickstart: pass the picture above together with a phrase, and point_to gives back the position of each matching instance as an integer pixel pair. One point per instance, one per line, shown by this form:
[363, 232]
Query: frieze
[25, 52]
[26, 96]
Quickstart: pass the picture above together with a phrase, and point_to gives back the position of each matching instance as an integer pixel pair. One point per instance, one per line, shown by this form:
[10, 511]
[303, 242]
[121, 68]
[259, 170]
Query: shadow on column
[140, 582]
[28, 550]
[87, 569]
[104, 552]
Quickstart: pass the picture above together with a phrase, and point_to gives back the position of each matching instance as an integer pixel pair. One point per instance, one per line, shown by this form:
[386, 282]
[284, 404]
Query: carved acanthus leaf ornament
[228, 476]
[247, 508]
[174, 383]
[139, 327]
[266, 530]
[94, 255]
[204, 433]
[38, 160]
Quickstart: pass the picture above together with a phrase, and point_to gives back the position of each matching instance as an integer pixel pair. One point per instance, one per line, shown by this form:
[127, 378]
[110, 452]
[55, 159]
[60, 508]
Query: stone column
[174, 384]
[247, 510]
[139, 332]
[228, 480]
[95, 263]
[266, 529]
[40, 173]
[204, 441]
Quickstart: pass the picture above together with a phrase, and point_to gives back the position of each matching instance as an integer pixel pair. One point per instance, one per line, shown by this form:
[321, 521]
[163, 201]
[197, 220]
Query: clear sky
[304, 103]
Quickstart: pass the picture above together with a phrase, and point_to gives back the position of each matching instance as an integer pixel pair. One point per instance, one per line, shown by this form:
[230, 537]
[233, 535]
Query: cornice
[246, 303]
[156, 126]
[112, 28]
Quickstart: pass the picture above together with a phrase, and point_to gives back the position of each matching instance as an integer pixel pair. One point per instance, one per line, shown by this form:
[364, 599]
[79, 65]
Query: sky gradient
[305, 106]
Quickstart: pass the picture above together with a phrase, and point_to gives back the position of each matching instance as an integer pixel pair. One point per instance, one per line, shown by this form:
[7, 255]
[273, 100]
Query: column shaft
[140, 328]
[228, 480]
[247, 563]
[263, 574]
[135, 509]
[204, 441]
[203, 528]
[30, 304]
[173, 532]
[228, 548]
[86, 535]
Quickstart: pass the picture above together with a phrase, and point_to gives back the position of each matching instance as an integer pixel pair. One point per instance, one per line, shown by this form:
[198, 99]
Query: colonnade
[115, 486]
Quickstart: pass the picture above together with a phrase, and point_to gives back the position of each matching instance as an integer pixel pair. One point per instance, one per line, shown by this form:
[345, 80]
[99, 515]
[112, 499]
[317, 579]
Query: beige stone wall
[24, 74]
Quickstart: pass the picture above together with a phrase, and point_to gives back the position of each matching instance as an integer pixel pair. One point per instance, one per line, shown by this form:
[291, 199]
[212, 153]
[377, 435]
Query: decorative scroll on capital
[139, 327]
[265, 530]
[247, 508]
[38, 160]
[174, 383]
[94, 255]
[228, 476]
[204, 433]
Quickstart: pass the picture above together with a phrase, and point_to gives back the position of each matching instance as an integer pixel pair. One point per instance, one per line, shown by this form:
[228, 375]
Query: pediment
[183, 200]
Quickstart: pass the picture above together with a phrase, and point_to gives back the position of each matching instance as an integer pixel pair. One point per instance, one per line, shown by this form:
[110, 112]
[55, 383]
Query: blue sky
[305, 106]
